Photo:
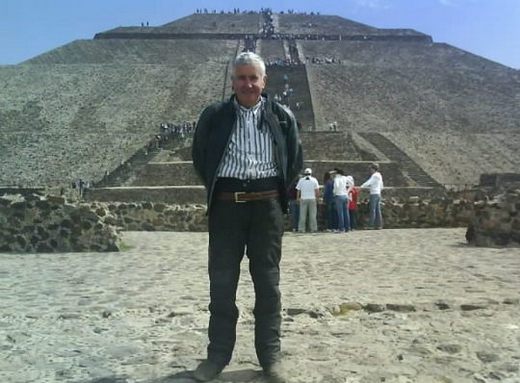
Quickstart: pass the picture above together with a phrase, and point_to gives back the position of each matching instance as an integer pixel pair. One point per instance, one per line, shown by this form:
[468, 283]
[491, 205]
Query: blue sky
[489, 28]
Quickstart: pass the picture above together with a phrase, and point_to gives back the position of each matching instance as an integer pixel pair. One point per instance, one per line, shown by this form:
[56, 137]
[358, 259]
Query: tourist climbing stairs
[295, 76]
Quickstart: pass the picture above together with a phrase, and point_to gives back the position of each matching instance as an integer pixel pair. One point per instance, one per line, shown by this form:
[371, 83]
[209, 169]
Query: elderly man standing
[247, 152]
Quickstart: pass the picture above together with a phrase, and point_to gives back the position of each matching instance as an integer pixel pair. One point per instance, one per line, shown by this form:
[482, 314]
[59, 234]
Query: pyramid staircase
[297, 80]
[409, 167]
[168, 175]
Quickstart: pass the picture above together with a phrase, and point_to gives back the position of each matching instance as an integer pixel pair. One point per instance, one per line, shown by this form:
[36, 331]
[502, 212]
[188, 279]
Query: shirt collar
[255, 108]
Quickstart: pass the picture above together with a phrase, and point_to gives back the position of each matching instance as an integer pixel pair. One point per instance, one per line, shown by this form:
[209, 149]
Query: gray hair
[249, 58]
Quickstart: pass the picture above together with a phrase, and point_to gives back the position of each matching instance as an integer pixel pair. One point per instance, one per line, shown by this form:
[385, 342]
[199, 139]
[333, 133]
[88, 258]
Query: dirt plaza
[408, 305]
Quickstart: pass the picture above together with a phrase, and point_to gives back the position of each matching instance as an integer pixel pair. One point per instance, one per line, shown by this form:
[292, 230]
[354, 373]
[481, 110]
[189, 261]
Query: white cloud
[374, 4]
[456, 3]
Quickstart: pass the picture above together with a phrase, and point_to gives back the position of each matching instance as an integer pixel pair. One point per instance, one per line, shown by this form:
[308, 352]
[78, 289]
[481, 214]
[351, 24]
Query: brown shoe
[207, 370]
[276, 373]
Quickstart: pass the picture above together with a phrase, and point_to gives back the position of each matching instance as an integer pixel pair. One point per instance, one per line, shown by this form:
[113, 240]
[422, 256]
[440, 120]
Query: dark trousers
[255, 228]
[332, 215]
[353, 219]
[294, 212]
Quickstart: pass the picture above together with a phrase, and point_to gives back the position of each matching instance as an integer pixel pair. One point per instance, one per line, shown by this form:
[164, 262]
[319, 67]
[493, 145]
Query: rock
[86, 225]
[18, 205]
[497, 375]
[21, 241]
[295, 311]
[487, 357]
[159, 207]
[402, 308]
[345, 308]
[44, 248]
[158, 223]
[478, 378]
[147, 205]
[67, 223]
[101, 212]
[106, 314]
[450, 348]
[111, 221]
[471, 307]
[442, 306]
[42, 233]
[43, 205]
[374, 308]
[55, 200]
[174, 314]
[315, 314]
[147, 226]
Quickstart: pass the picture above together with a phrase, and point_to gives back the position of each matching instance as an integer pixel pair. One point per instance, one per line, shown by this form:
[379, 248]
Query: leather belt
[241, 197]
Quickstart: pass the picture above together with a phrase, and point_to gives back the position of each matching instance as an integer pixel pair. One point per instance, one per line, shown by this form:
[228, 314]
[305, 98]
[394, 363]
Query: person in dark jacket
[247, 152]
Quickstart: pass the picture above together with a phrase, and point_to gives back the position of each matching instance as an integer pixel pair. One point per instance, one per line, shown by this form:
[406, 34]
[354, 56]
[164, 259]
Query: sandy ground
[368, 306]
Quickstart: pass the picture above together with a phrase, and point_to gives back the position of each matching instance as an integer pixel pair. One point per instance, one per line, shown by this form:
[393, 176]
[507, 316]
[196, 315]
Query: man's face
[248, 84]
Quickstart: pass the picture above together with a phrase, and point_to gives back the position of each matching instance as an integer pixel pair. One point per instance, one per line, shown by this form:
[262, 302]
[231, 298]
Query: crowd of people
[181, 130]
[333, 126]
[80, 185]
[323, 60]
[262, 10]
[339, 197]
[169, 131]
[286, 93]
[282, 62]
[268, 26]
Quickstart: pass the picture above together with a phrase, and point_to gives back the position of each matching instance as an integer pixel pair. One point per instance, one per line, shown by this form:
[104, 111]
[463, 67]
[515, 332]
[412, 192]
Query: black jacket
[213, 133]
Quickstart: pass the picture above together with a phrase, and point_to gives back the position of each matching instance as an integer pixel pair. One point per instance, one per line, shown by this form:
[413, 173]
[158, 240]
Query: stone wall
[499, 179]
[148, 216]
[51, 224]
[188, 195]
[181, 173]
[397, 213]
[496, 222]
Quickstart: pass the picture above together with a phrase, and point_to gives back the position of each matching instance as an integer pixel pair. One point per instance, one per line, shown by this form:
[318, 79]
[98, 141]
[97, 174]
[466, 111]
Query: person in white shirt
[341, 191]
[375, 184]
[308, 194]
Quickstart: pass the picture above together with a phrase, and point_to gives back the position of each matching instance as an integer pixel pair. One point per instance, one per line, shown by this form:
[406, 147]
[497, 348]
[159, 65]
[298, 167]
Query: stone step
[196, 194]
[326, 145]
[192, 194]
[392, 152]
[181, 173]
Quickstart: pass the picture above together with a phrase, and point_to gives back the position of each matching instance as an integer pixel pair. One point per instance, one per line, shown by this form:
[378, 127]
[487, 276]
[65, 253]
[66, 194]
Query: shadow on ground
[238, 376]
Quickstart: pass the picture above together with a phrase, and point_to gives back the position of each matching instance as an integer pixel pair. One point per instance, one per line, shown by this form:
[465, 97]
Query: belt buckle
[237, 194]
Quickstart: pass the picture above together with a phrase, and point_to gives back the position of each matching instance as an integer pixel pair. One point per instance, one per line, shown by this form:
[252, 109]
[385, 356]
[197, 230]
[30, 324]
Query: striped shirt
[250, 153]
